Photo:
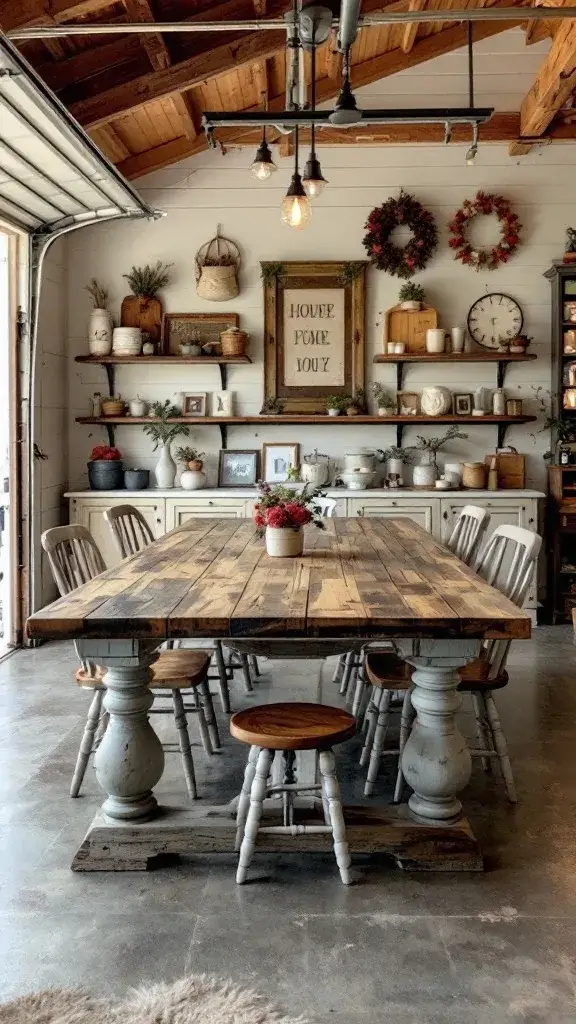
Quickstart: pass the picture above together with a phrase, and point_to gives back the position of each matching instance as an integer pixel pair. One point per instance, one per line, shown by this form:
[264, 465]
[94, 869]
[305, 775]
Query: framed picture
[277, 459]
[463, 405]
[193, 403]
[314, 332]
[201, 328]
[408, 403]
[238, 468]
[222, 403]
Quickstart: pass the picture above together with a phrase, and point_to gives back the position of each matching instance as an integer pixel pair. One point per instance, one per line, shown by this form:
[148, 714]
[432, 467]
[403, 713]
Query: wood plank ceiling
[141, 96]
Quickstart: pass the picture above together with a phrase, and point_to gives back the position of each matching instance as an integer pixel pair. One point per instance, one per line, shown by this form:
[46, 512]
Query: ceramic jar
[499, 402]
[193, 480]
[100, 332]
[458, 335]
[394, 473]
[362, 460]
[424, 475]
[284, 542]
[474, 476]
[105, 475]
[436, 401]
[435, 340]
[138, 407]
[127, 341]
[165, 469]
[357, 480]
[136, 479]
[148, 348]
[315, 473]
[453, 473]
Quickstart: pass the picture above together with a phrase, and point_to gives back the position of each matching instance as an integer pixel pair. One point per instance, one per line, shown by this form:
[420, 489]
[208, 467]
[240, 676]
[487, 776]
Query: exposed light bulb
[295, 211]
[263, 165]
[313, 180]
[471, 155]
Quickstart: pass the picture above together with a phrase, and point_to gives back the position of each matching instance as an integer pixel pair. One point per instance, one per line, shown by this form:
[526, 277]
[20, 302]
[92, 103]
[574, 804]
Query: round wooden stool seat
[388, 670]
[293, 726]
[172, 670]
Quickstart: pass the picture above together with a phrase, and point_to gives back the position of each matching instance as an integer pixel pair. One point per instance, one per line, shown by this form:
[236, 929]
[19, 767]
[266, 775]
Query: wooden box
[511, 470]
[409, 326]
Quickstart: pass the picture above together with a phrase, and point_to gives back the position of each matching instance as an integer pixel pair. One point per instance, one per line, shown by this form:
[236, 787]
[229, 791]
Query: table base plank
[115, 846]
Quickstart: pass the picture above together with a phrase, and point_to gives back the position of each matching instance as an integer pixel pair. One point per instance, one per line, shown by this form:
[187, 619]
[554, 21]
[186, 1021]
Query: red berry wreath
[510, 227]
[404, 262]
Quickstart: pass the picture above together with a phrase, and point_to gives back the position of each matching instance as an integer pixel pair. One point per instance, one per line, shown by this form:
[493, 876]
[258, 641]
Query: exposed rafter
[411, 30]
[552, 87]
[153, 43]
[24, 13]
[261, 81]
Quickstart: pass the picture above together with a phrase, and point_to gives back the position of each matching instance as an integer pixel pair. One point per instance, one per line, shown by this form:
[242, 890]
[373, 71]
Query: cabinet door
[88, 512]
[421, 511]
[180, 510]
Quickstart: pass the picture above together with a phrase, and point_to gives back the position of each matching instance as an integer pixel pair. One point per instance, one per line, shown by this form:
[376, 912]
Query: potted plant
[426, 472]
[163, 432]
[520, 343]
[105, 472]
[193, 477]
[356, 403]
[411, 296]
[335, 404]
[394, 459]
[101, 324]
[142, 308]
[570, 253]
[385, 402]
[272, 407]
[282, 513]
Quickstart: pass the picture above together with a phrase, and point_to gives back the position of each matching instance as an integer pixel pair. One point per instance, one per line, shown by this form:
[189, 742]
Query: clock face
[493, 318]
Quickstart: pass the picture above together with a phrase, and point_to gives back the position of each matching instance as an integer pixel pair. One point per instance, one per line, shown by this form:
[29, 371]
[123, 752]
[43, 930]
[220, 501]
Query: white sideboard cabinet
[434, 511]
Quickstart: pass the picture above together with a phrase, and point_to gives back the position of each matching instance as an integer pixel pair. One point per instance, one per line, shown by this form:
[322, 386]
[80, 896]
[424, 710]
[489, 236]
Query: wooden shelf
[501, 359]
[503, 422]
[129, 360]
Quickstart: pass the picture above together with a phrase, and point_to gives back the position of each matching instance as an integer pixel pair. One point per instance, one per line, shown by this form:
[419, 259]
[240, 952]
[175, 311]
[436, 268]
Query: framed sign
[314, 332]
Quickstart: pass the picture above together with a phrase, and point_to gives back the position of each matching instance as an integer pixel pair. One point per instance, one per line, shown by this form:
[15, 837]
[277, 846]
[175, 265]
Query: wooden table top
[373, 577]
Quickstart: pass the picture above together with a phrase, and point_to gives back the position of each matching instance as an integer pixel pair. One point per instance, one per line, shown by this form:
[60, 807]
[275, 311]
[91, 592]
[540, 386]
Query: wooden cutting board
[409, 326]
[143, 313]
[511, 469]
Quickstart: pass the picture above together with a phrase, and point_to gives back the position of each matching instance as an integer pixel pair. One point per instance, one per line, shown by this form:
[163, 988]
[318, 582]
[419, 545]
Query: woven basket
[233, 342]
[217, 267]
[112, 407]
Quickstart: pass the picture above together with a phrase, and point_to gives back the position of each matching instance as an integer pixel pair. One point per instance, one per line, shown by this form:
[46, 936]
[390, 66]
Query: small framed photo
[408, 403]
[277, 460]
[193, 404]
[238, 468]
[463, 405]
[222, 403]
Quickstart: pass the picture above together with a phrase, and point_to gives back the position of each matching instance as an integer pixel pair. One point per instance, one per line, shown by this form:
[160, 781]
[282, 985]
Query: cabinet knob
[210, 502]
[530, 521]
[360, 512]
[394, 502]
[158, 521]
[445, 515]
[523, 508]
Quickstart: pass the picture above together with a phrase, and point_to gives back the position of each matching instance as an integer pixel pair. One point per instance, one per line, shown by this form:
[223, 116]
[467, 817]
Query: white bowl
[357, 481]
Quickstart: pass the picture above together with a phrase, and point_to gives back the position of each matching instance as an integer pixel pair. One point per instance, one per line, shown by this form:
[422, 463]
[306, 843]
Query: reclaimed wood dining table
[358, 580]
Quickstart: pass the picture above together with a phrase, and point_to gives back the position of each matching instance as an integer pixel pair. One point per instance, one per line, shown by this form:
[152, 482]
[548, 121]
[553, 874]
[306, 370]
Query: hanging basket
[217, 268]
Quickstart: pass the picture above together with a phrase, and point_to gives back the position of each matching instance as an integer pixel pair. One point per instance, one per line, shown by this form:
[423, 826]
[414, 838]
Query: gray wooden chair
[468, 532]
[75, 559]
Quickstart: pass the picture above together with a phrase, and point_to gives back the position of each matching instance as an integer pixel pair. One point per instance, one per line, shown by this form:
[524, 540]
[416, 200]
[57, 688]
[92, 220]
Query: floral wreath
[403, 262]
[510, 227]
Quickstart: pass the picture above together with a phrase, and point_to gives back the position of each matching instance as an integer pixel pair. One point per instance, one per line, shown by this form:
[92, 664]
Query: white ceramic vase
[165, 469]
[100, 332]
[193, 480]
[284, 542]
[424, 475]
[435, 339]
[394, 470]
[458, 339]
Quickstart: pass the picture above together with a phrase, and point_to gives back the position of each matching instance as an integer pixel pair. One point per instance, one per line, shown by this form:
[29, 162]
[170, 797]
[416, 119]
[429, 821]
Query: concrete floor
[480, 949]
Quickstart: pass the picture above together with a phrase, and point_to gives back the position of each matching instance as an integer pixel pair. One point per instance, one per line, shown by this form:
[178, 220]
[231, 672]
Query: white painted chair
[285, 729]
[507, 562]
[75, 559]
[131, 533]
[468, 532]
[327, 506]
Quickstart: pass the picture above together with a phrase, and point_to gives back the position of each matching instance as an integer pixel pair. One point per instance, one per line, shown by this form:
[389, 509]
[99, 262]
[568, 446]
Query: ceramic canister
[435, 339]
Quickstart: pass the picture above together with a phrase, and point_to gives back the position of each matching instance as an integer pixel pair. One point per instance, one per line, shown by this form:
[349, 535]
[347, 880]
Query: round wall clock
[494, 317]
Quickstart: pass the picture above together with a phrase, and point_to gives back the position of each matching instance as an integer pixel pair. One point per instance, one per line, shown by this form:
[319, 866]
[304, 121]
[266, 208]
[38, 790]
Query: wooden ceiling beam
[261, 80]
[28, 13]
[131, 95]
[87, 63]
[411, 29]
[187, 115]
[107, 138]
[551, 88]
[153, 43]
[332, 59]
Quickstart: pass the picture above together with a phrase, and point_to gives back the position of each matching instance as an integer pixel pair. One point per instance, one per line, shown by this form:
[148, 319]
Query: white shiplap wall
[212, 189]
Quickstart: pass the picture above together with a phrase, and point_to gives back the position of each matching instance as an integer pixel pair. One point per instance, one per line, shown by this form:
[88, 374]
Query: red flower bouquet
[282, 512]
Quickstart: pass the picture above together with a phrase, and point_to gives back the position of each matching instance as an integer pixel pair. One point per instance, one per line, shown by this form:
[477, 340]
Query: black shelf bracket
[223, 432]
[502, 428]
[111, 433]
[111, 375]
[399, 434]
[399, 376]
[223, 375]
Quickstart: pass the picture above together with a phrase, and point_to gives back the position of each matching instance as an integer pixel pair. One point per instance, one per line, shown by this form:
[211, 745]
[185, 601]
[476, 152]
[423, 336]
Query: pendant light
[346, 113]
[313, 180]
[295, 210]
[263, 165]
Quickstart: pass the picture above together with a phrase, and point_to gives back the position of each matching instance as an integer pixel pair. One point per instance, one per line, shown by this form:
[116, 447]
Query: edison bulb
[295, 211]
[262, 169]
[314, 186]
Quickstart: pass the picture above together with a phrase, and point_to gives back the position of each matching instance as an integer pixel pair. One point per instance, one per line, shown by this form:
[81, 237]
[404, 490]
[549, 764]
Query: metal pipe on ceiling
[385, 18]
[348, 24]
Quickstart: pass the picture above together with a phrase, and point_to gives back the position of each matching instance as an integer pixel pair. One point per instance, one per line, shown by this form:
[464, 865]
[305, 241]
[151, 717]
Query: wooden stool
[290, 727]
[173, 671]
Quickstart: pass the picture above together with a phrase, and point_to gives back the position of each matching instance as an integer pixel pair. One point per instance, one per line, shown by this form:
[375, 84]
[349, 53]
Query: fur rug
[196, 999]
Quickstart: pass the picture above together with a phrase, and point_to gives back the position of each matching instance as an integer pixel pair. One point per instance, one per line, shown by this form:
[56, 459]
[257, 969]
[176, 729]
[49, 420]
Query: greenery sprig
[146, 281]
[162, 431]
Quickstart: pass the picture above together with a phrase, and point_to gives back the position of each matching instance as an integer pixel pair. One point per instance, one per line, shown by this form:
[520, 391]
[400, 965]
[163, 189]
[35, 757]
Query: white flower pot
[435, 339]
[410, 304]
[394, 472]
[284, 542]
[165, 469]
[193, 480]
[333, 412]
[127, 341]
[424, 475]
[100, 332]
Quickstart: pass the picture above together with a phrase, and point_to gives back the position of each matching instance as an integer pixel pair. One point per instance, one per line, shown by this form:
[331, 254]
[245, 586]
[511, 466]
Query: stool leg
[379, 737]
[244, 798]
[210, 714]
[500, 746]
[202, 725]
[353, 678]
[184, 741]
[358, 694]
[87, 742]
[253, 662]
[331, 791]
[349, 659]
[405, 727]
[482, 729]
[246, 673]
[222, 677]
[337, 677]
[372, 718]
[257, 794]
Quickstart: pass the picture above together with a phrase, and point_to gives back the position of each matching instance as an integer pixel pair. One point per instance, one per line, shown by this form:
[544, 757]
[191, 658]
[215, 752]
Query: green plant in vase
[386, 403]
[411, 296]
[335, 404]
[163, 431]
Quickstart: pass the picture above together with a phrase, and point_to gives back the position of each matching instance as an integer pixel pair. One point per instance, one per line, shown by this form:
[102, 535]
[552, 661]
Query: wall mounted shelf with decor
[500, 358]
[503, 422]
[110, 362]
